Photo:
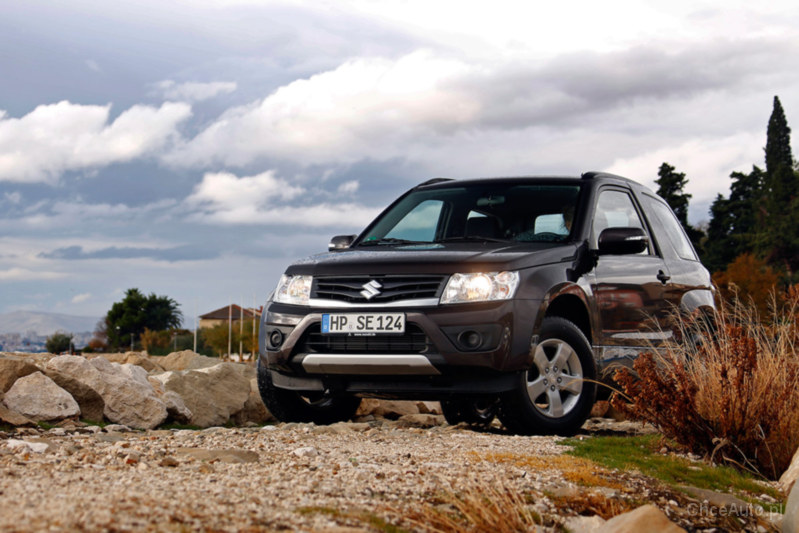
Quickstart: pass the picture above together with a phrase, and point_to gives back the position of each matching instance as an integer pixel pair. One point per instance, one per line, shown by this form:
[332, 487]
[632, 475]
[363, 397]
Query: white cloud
[194, 91]
[24, 274]
[93, 65]
[13, 197]
[348, 187]
[56, 138]
[79, 298]
[224, 198]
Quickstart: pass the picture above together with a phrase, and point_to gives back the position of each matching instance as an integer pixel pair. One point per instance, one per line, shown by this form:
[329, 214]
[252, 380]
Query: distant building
[223, 315]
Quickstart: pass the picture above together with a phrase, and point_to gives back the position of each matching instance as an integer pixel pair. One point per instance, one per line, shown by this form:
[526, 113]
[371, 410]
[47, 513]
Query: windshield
[484, 213]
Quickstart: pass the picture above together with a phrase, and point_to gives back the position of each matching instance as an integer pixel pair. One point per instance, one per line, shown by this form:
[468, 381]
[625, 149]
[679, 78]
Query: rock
[646, 518]
[306, 451]
[790, 522]
[187, 360]
[429, 408]
[254, 409]
[224, 456]
[390, 409]
[129, 398]
[9, 416]
[789, 477]
[212, 394]
[39, 398]
[31, 445]
[583, 524]
[600, 409]
[12, 368]
[89, 400]
[420, 421]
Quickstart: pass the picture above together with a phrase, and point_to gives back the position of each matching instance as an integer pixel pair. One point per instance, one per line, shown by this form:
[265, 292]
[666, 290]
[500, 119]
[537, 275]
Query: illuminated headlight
[293, 289]
[480, 287]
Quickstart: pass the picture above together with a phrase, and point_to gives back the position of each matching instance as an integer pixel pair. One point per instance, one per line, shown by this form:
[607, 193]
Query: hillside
[44, 323]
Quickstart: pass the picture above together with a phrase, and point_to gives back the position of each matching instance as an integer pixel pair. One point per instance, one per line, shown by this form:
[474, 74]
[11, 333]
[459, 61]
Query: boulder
[187, 360]
[790, 522]
[645, 518]
[7, 416]
[212, 394]
[175, 407]
[90, 402]
[789, 477]
[39, 398]
[12, 368]
[254, 409]
[129, 398]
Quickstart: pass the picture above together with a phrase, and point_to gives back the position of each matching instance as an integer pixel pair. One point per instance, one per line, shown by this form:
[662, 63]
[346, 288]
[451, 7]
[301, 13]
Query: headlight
[293, 290]
[480, 287]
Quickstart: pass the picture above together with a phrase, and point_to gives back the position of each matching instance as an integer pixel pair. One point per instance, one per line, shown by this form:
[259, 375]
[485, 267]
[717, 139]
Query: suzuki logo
[371, 289]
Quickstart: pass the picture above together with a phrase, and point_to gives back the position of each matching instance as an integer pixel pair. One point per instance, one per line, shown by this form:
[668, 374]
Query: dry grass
[735, 396]
[575, 469]
[474, 508]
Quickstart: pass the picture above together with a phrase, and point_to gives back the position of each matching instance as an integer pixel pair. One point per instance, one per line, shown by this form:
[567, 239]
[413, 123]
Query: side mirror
[340, 242]
[622, 241]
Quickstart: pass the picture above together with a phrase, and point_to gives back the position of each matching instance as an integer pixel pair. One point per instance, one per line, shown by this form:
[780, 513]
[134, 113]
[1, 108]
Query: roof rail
[593, 174]
[434, 180]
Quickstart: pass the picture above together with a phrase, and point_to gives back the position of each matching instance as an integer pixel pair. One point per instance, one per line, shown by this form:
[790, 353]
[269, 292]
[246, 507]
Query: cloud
[383, 108]
[24, 274]
[173, 254]
[80, 298]
[224, 198]
[55, 138]
[193, 91]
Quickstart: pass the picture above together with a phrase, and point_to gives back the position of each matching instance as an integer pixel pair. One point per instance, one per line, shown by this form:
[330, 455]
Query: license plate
[363, 323]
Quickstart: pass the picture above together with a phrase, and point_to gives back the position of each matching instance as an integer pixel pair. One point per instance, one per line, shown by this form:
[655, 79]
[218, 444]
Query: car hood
[433, 259]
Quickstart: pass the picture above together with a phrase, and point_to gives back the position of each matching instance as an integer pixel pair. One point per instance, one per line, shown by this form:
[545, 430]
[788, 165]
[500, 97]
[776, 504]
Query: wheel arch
[569, 303]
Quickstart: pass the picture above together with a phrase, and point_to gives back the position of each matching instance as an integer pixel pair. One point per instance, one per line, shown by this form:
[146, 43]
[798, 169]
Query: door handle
[663, 277]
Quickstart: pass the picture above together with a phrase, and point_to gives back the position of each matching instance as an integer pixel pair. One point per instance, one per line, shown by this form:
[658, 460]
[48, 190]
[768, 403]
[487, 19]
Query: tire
[478, 412]
[555, 396]
[291, 406]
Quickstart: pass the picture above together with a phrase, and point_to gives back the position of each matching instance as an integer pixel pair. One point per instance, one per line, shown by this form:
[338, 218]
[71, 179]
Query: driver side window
[614, 209]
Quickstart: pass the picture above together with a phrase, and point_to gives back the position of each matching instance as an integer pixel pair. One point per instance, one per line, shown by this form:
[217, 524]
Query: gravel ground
[287, 477]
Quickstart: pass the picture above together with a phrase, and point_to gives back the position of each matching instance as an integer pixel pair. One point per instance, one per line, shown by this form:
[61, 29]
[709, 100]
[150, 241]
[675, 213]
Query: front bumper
[430, 358]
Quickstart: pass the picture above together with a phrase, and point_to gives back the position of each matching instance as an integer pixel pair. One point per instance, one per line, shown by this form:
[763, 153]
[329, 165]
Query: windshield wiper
[388, 240]
[472, 238]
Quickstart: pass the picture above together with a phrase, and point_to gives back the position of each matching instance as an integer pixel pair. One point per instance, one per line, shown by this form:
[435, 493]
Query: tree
[750, 279]
[780, 237]
[58, 342]
[671, 187]
[127, 320]
[735, 222]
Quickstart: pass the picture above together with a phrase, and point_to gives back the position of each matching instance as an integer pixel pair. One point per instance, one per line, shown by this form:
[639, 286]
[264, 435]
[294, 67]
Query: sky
[194, 149]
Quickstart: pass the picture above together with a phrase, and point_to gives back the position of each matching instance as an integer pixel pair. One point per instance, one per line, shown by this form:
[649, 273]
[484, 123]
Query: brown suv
[504, 296]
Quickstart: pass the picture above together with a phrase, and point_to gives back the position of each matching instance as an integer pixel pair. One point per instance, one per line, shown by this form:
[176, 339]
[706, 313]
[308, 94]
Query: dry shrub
[476, 507]
[734, 397]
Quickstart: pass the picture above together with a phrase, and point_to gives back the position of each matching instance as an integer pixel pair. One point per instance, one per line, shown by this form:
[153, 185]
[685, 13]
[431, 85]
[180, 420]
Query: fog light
[470, 339]
[276, 339]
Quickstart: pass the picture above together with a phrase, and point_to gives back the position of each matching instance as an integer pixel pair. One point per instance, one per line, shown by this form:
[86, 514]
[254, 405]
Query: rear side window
[671, 227]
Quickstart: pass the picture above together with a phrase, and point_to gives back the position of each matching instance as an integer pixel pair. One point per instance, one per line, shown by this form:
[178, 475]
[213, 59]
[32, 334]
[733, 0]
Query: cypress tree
[779, 240]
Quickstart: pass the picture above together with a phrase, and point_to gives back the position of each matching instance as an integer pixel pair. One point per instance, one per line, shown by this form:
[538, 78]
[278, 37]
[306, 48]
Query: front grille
[413, 340]
[384, 288]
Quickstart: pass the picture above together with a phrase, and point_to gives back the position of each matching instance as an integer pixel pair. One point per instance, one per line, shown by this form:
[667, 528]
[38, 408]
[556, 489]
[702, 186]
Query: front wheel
[556, 394]
[292, 406]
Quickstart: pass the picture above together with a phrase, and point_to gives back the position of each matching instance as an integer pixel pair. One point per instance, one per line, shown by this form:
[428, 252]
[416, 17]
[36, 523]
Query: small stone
[306, 451]
[169, 462]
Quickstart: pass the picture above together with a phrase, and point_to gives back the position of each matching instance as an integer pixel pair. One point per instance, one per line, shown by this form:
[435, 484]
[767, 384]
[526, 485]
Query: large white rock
[790, 522]
[39, 398]
[129, 398]
[789, 477]
[211, 394]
